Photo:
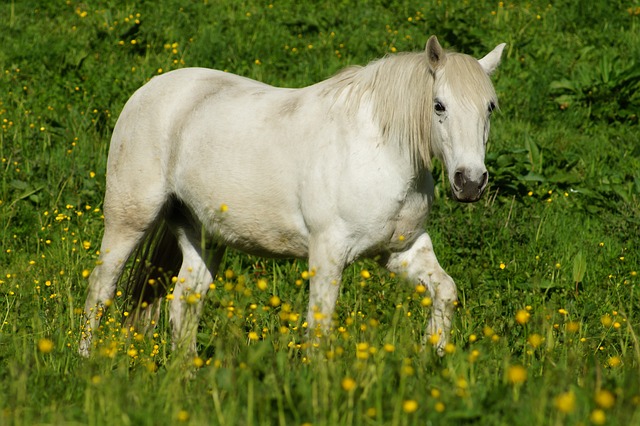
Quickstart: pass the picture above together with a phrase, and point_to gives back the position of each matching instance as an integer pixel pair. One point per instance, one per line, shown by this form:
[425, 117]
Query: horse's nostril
[459, 180]
[485, 180]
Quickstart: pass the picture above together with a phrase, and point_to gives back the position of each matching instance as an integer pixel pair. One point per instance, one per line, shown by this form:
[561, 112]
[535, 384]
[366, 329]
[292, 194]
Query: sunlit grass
[546, 264]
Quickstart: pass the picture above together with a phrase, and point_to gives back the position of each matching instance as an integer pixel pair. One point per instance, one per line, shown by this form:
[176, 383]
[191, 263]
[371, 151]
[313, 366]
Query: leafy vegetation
[547, 263]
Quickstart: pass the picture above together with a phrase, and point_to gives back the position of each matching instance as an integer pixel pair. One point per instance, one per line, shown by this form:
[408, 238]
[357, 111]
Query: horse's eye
[439, 107]
[492, 106]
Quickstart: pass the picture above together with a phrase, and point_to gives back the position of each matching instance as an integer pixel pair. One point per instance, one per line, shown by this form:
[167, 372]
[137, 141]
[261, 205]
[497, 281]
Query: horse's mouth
[463, 197]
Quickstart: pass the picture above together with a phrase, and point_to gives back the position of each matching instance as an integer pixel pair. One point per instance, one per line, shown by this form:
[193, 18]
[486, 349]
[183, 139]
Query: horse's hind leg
[420, 265]
[124, 230]
[199, 267]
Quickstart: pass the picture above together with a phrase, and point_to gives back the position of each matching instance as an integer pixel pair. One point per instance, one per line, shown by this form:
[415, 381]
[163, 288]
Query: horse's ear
[435, 53]
[491, 61]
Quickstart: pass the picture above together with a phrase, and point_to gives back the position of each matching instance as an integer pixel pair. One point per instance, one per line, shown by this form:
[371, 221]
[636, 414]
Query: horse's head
[463, 99]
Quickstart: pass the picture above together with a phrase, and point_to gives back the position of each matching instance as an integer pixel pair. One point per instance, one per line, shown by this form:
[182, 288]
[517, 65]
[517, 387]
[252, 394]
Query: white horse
[331, 172]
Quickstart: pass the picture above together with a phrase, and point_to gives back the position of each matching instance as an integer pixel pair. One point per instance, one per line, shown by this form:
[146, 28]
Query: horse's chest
[408, 223]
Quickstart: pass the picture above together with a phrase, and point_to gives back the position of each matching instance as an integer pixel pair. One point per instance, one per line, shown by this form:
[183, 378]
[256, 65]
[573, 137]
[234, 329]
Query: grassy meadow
[547, 328]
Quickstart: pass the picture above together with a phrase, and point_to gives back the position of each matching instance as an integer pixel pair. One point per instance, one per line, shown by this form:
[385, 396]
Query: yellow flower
[439, 407]
[183, 416]
[274, 301]
[253, 335]
[474, 355]
[522, 317]
[535, 340]
[606, 320]
[605, 399]
[449, 348]
[434, 339]
[409, 406]
[614, 361]
[572, 327]
[348, 384]
[45, 345]
[565, 402]
[517, 374]
[262, 284]
[365, 274]
[598, 417]
[198, 362]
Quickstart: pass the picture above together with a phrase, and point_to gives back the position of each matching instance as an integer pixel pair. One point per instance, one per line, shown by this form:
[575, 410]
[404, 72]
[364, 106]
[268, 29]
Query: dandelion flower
[274, 301]
[449, 348]
[522, 317]
[409, 406]
[517, 374]
[572, 326]
[535, 340]
[487, 331]
[183, 416]
[605, 399]
[348, 384]
[262, 284]
[565, 402]
[598, 417]
[45, 345]
[606, 320]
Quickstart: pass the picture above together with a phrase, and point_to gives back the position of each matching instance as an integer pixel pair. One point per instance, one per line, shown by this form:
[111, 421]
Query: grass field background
[547, 263]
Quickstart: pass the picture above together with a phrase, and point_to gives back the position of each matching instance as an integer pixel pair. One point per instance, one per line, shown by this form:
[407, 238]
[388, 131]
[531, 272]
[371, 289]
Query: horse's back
[209, 139]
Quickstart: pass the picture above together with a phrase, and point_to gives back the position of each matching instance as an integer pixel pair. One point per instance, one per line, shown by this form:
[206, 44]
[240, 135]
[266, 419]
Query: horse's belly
[265, 234]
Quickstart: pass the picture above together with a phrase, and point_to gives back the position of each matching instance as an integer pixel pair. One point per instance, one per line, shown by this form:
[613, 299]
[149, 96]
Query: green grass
[546, 263]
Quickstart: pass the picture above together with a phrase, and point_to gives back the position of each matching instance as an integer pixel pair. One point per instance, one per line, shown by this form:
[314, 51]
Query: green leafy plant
[610, 89]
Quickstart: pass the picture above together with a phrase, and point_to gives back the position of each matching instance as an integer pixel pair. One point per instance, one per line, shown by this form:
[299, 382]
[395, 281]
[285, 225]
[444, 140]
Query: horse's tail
[155, 261]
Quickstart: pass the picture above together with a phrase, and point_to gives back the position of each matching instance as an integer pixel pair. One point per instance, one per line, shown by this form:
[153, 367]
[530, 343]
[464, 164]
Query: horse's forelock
[468, 81]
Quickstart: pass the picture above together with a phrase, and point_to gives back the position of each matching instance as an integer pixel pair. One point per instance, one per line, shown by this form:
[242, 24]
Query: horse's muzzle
[467, 188]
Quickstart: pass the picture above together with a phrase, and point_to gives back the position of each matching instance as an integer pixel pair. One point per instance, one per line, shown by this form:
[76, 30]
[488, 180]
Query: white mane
[400, 88]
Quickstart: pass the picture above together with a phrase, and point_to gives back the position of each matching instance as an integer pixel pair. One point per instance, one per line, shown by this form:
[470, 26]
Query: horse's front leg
[420, 266]
[326, 263]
